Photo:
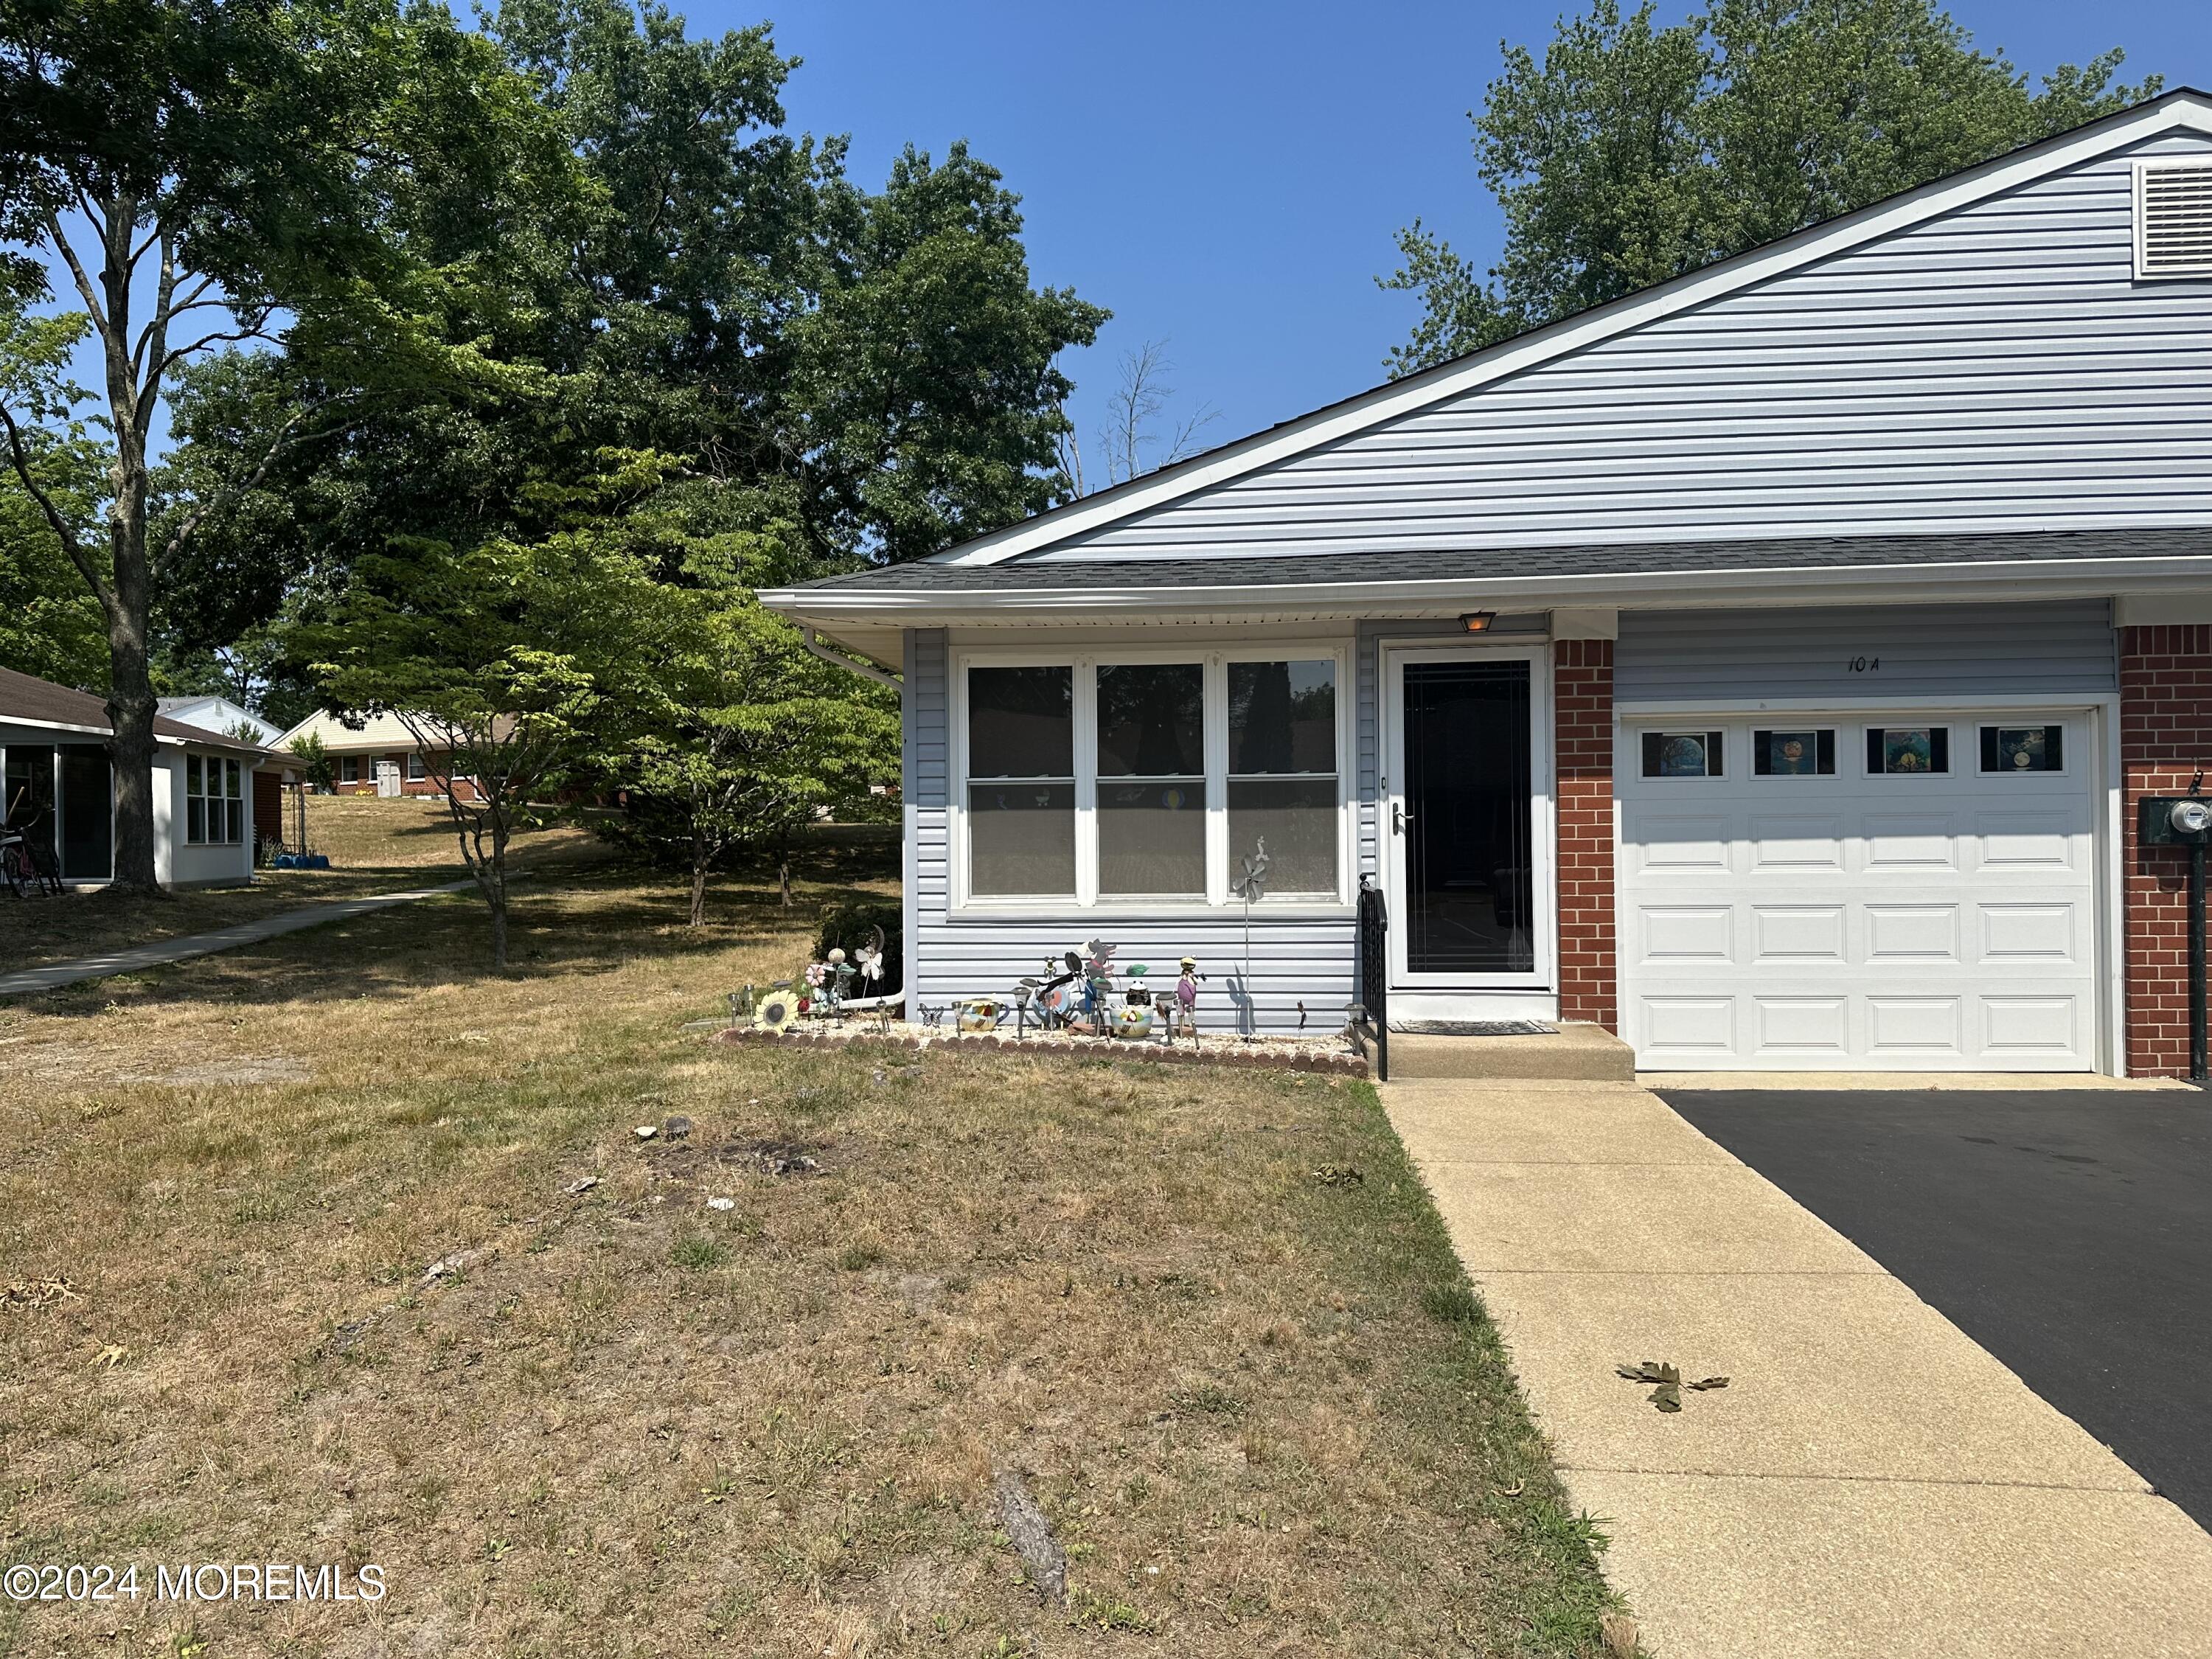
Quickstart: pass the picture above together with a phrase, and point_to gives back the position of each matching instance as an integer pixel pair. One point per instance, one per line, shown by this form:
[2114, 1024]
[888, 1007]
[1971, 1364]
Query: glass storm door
[1466, 812]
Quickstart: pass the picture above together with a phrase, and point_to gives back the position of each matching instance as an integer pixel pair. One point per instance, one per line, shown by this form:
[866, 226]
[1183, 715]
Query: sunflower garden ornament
[778, 1009]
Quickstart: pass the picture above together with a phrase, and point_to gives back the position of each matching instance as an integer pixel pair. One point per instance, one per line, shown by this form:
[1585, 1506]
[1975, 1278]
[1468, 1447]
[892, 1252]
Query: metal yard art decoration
[1251, 887]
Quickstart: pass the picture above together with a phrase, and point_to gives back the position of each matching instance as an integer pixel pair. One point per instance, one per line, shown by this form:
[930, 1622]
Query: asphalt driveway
[2067, 1232]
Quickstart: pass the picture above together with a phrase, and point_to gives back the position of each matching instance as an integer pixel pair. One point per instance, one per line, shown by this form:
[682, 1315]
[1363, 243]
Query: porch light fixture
[1478, 621]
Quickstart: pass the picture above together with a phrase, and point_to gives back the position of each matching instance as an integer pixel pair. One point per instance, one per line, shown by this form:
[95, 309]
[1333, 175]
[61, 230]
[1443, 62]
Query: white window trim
[214, 799]
[2139, 217]
[1214, 744]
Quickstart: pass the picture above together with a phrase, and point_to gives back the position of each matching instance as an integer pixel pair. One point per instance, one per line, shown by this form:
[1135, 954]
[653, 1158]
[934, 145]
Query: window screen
[1283, 772]
[1021, 780]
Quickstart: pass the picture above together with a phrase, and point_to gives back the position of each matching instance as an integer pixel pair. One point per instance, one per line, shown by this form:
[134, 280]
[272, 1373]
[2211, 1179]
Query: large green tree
[205, 174]
[832, 373]
[1634, 151]
[50, 624]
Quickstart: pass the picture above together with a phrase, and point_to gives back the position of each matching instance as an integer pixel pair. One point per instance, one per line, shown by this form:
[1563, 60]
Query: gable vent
[2174, 219]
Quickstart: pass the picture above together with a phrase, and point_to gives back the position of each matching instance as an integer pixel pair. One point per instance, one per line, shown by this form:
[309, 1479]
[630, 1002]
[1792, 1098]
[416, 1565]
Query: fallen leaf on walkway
[1666, 1381]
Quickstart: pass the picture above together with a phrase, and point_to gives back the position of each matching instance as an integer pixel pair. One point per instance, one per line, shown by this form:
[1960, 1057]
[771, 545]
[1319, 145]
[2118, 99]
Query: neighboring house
[221, 714]
[381, 757]
[213, 794]
[1836, 604]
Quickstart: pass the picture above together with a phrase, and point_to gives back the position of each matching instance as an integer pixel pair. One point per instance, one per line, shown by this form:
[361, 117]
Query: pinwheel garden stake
[1249, 887]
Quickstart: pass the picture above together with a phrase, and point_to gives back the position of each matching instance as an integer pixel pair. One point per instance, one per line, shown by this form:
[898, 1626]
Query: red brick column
[2166, 736]
[1581, 709]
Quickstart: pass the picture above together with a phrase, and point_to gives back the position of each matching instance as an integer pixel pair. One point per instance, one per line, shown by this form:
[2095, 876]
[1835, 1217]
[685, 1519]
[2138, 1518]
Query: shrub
[853, 926]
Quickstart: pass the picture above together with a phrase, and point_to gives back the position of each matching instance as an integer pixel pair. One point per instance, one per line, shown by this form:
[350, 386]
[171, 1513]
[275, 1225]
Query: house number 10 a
[1863, 665]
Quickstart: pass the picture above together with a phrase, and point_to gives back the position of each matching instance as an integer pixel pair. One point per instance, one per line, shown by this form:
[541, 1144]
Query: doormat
[1476, 1028]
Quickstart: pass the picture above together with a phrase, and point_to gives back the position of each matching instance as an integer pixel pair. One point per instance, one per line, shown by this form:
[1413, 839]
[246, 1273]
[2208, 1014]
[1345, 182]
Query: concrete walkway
[130, 959]
[1870, 1482]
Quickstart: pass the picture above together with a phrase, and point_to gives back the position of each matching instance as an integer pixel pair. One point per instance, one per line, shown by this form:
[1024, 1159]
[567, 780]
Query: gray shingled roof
[26, 697]
[1616, 558]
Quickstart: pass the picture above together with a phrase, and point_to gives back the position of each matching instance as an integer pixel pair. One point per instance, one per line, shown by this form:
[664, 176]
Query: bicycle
[24, 863]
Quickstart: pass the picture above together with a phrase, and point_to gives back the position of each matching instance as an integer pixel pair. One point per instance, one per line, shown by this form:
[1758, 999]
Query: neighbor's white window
[1021, 781]
[415, 772]
[1125, 781]
[350, 768]
[215, 810]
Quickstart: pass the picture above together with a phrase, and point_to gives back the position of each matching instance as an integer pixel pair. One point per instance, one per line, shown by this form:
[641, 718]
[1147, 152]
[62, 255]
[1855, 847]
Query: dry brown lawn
[1209, 1320]
[375, 846]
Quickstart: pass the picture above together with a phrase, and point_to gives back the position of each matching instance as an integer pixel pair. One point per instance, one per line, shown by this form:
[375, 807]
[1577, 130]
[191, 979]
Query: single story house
[213, 714]
[1765, 667]
[213, 795]
[379, 756]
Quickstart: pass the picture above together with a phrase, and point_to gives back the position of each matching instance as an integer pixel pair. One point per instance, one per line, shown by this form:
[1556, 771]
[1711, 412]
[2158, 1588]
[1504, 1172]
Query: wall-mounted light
[1478, 621]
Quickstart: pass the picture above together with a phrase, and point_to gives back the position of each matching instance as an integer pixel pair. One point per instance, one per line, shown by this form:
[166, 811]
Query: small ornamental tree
[751, 740]
[505, 662]
[315, 765]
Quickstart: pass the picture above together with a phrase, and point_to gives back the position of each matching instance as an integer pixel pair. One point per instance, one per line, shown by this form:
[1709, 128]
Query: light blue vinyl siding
[1293, 959]
[1936, 652]
[1997, 369]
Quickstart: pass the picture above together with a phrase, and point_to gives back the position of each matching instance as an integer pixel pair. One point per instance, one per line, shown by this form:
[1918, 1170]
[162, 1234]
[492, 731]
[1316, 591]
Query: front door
[1466, 829]
[87, 814]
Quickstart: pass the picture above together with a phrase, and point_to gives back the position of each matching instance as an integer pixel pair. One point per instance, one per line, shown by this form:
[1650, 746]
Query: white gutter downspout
[867, 671]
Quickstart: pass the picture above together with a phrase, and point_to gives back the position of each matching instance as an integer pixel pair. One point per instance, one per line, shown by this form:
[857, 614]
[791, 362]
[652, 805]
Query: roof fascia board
[2178, 110]
[60, 726]
[1771, 586]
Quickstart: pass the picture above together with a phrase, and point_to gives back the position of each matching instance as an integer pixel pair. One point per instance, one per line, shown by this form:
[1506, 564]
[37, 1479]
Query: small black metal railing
[1375, 972]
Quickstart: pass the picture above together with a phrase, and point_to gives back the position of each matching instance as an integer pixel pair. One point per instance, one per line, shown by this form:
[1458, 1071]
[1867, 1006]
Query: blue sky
[1228, 177]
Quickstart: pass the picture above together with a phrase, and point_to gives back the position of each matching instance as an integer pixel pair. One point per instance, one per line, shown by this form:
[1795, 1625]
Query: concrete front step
[1581, 1053]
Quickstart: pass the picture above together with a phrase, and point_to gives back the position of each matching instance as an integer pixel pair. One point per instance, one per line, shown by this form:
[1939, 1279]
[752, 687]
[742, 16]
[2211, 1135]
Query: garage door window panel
[2010, 750]
[1684, 755]
[1908, 751]
[1809, 752]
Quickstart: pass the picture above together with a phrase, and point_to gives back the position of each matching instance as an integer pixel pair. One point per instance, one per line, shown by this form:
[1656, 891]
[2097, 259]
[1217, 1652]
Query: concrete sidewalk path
[130, 959]
[1870, 1482]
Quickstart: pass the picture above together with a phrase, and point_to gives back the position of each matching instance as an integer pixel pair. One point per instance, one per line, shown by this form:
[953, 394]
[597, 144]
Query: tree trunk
[128, 603]
[698, 883]
[131, 750]
[498, 894]
[783, 875]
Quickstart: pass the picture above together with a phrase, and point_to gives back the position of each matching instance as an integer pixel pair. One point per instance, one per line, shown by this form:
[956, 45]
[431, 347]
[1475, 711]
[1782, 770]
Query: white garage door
[1885, 891]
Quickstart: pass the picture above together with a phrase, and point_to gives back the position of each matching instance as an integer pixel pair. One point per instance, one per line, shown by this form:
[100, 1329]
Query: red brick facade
[2166, 738]
[431, 783]
[1582, 690]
